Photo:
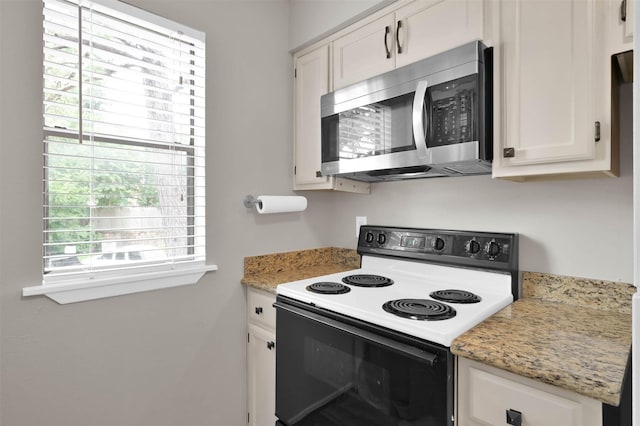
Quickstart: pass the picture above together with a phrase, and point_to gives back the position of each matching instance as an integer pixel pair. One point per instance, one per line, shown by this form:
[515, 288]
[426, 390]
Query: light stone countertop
[568, 332]
[267, 271]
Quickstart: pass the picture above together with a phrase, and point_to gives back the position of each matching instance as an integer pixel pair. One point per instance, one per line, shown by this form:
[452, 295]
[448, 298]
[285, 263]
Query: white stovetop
[412, 280]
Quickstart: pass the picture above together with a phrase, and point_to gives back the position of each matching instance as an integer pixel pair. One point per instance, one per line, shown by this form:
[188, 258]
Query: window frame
[126, 279]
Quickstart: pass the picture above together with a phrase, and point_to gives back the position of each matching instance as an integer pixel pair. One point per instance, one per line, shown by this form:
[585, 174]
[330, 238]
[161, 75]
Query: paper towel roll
[280, 204]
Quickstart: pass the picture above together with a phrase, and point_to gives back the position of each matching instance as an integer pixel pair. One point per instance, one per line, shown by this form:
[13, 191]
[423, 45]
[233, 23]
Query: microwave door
[419, 119]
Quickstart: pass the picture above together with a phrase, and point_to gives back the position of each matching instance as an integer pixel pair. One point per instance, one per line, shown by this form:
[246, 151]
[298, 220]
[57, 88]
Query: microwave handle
[417, 116]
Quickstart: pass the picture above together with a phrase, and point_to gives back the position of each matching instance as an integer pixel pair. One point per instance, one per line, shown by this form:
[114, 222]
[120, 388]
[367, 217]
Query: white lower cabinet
[488, 396]
[261, 358]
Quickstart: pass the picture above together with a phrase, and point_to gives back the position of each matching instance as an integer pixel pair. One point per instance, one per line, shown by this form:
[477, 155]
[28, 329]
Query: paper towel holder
[250, 201]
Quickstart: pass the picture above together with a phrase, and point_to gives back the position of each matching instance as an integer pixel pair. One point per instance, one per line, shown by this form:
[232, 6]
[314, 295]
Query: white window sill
[75, 290]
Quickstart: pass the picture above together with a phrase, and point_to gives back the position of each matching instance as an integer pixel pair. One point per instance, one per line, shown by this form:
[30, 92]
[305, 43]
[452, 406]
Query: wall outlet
[360, 220]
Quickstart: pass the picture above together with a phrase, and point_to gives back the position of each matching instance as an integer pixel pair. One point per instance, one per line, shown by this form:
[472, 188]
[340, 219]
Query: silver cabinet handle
[387, 30]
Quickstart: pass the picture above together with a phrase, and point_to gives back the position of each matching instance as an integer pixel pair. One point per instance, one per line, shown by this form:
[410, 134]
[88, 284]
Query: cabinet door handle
[399, 25]
[387, 30]
[271, 345]
[597, 131]
[514, 417]
[509, 152]
[258, 310]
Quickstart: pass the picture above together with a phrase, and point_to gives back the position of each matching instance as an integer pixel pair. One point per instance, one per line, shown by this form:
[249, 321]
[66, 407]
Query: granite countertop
[267, 271]
[567, 332]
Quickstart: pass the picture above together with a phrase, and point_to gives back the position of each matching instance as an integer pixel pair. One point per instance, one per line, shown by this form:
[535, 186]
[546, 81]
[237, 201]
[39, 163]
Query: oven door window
[328, 376]
[370, 130]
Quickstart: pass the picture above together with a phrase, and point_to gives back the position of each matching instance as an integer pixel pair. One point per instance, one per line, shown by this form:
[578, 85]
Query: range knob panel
[467, 248]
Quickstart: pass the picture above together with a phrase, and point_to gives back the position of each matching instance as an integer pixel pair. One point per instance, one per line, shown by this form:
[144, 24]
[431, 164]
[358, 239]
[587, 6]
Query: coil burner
[328, 287]
[419, 309]
[367, 280]
[455, 296]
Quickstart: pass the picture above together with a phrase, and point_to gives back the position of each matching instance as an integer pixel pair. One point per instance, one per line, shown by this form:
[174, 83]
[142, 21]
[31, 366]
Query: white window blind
[124, 139]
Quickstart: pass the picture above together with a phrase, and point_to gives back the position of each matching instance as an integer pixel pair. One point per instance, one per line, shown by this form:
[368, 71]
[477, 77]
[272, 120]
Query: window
[123, 119]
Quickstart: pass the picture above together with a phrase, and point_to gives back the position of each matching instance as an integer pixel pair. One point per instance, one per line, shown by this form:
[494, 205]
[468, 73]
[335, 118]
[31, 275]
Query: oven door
[332, 370]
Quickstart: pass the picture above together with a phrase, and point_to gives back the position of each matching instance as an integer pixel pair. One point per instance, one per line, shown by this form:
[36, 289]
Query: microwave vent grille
[468, 168]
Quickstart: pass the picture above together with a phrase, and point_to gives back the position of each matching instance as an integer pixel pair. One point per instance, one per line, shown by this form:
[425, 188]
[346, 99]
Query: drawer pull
[271, 345]
[258, 310]
[514, 417]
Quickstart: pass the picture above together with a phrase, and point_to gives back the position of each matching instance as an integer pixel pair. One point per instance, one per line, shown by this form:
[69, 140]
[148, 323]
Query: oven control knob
[492, 249]
[472, 247]
[382, 239]
[369, 237]
[438, 244]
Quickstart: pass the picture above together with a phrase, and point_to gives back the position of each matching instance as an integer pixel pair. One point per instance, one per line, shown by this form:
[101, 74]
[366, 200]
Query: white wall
[310, 19]
[169, 357]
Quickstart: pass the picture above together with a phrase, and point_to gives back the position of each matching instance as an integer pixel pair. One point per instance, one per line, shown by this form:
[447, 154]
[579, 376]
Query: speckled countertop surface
[569, 332]
[266, 272]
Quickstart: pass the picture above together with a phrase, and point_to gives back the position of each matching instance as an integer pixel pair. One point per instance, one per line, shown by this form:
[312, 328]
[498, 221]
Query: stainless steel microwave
[432, 118]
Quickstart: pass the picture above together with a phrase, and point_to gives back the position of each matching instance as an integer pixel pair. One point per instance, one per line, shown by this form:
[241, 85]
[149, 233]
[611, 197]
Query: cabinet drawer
[492, 396]
[488, 398]
[260, 308]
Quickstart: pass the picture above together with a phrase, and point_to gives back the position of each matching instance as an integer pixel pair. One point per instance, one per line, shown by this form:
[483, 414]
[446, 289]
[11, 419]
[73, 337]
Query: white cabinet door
[628, 23]
[311, 82]
[364, 52]
[547, 81]
[429, 27]
[418, 30]
[261, 377]
[486, 396]
[555, 99]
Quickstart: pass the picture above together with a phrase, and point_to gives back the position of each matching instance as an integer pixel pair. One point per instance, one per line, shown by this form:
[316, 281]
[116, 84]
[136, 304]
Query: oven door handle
[425, 356]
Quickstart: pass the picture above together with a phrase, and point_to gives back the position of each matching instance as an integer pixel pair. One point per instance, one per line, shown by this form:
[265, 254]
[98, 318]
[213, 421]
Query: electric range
[418, 263]
[371, 346]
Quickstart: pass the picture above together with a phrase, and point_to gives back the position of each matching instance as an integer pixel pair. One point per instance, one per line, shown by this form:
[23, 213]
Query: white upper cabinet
[548, 50]
[552, 89]
[364, 52]
[627, 12]
[312, 80]
[415, 31]
[431, 27]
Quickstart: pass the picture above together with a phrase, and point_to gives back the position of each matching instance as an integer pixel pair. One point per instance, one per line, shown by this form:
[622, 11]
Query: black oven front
[337, 370]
